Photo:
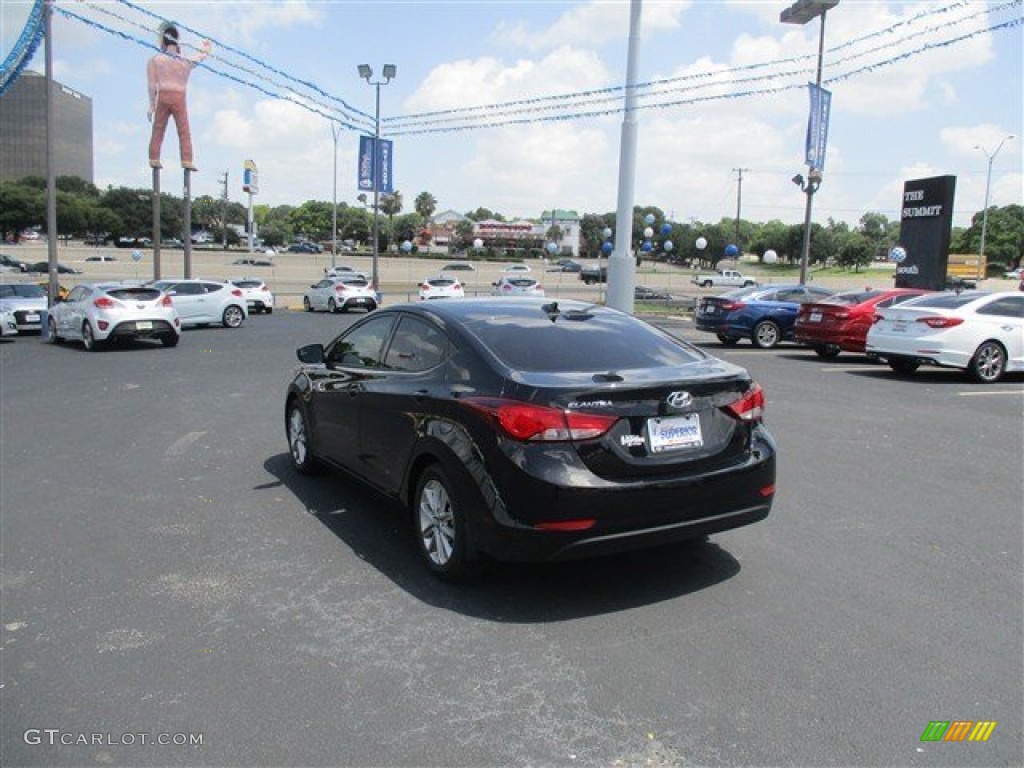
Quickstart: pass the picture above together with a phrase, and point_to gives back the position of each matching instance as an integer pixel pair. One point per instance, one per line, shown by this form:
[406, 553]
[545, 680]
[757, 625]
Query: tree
[21, 207]
[425, 205]
[390, 206]
[484, 214]
[856, 252]
[313, 219]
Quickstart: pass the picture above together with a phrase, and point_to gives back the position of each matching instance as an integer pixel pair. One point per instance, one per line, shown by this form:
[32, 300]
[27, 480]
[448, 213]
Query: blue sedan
[765, 314]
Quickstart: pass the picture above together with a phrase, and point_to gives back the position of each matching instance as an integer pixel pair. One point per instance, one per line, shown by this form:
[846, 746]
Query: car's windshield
[22, 291]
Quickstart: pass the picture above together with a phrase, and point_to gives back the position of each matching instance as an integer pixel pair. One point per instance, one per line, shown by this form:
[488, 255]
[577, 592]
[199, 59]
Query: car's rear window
[945, 300]
[356, 281]
[22, 291]
[851, 299]
[134, 294]
[521, 282]
[441, 282]
[248, 283]
[599, 342]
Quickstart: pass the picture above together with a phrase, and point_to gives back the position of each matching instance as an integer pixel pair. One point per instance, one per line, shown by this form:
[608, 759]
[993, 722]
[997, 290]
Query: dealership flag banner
[379, 176]
[817, 126]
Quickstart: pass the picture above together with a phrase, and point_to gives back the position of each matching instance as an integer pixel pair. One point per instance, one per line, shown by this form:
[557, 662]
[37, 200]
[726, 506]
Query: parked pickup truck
[724, 277]
[590, 275]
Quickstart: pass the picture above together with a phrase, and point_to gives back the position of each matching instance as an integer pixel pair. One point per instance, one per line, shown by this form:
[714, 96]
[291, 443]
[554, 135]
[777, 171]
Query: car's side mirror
[311, 354]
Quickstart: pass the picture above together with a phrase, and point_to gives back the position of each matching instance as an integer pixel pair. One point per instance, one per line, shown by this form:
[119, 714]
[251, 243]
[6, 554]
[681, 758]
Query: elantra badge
[679, 399]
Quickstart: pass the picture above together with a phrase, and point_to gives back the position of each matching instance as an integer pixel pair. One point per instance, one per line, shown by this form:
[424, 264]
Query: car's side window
[212, 287]
[187, 289]
[794, 294]
[1009, 306]
[78, 293]
[363, 346]
[416, 346]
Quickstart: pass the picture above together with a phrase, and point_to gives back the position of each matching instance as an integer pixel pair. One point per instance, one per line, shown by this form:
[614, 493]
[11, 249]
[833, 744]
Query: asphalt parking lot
[167, 577]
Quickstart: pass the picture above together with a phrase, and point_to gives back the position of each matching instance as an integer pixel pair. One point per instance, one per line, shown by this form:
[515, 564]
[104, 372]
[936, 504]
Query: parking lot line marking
[996, 392]
[180, 446]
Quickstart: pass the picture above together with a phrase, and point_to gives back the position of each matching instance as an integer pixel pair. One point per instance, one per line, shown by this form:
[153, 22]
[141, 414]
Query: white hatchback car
[256, 293]
[441, 287]
[513, 268]
[517, 286]
[340, 294]
[99, 312]
[202, 302]
[980, 332]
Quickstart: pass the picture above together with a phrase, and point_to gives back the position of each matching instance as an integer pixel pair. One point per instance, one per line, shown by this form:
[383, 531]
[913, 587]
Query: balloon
[607, 248]
[648, 233]
[552, 248]
[666, 228]
[478, 243]
[701, 243]
[607, 233]
[646, 246]
[770, 256]
[649, 219]
[731, 250]
[406, 246]
[668, 245]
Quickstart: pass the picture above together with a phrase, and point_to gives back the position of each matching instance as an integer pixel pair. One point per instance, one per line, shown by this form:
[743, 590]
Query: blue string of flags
[582, 104]
[25, 47]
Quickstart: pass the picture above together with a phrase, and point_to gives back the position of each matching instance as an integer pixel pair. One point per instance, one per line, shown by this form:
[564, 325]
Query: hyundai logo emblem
[679, 399]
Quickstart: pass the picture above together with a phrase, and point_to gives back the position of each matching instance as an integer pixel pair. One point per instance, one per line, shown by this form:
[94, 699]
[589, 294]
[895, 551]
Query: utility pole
[224, 207]
[739, 203]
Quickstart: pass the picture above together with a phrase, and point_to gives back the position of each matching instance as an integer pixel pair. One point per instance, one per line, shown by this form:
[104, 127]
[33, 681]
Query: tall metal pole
[187, 224]
[156, 224]
[739, 204]
[53, 286]
[988, 187]
[621, 265]
[334, 206]
[811, 188]
[376, 191]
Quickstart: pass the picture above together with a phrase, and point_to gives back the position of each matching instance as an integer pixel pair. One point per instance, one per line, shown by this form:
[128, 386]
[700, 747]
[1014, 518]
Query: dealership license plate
[710, 309]
[670, 433]
[31, 318]
[815, 317]
[143, 325]
[899, 326]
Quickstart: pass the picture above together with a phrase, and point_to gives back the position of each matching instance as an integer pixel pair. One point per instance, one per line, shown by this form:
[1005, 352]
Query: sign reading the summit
[926, 222]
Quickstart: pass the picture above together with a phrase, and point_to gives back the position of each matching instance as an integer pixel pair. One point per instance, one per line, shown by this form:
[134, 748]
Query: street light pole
[802, 12]
[988, 185]
[388, 73]
[335, 129]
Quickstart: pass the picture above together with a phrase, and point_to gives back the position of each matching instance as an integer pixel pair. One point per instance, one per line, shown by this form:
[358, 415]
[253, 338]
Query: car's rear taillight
[104, 302]
[731, 306]
[339, 288]
[749, 407]
[941, 322]
[537, 423]
[165, 301]
[236, 292]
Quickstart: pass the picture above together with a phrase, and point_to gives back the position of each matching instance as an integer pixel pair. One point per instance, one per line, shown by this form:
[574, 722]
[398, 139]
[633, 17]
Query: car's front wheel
[233, 316]
[302, 457]
[766, 334]
[988, 363]
[440, 526]
[332, 306]
[55, 338]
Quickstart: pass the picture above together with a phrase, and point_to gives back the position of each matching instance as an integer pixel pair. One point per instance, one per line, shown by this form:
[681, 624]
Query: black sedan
[42, 267]
[527, 429]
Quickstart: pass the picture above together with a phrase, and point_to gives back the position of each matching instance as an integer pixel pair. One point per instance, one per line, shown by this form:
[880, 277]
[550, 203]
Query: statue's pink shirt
[169, 73]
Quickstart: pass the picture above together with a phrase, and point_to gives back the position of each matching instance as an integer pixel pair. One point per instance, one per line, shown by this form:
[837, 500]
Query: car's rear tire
[169, 339]
[89, 340]
[827, 351]
[233, 316]
[438, 513]
[903, 366]
[989, 363]
[766, 335]
[306, 305]
[727, 340]
[268, 310]
[299, 448]
[706, 284]
[51, 326]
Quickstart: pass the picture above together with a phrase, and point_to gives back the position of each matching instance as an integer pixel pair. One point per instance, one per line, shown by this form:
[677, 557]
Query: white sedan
[980, 332]
[517, 286]
[441, 287]
[340, 294]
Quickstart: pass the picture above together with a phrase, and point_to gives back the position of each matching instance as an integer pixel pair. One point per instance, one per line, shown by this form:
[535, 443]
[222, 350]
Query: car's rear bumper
[848, 341]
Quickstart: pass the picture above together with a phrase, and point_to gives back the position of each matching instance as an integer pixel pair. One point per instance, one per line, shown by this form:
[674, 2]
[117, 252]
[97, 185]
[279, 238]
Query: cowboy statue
[168, 74]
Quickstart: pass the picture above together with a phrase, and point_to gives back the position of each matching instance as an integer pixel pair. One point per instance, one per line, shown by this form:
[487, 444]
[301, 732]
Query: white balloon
[770, 257]
[701, 243]
[648, 233]
[478, 243]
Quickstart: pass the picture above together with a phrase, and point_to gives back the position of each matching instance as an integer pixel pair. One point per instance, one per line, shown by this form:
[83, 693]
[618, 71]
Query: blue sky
[916, 88]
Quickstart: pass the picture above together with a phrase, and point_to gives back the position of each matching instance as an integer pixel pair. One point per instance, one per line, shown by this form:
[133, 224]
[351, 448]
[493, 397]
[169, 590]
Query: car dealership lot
[165, 571]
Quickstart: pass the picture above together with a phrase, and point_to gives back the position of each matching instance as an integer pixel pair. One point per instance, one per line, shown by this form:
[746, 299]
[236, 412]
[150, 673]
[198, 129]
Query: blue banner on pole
[377, 174]
[817, 126]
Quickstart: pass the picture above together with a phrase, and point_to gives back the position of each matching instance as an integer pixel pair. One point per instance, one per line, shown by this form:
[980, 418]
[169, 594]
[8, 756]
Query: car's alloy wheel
[298, 441]
[903, 365]
[169, 339]
[728, 340]
[766, 334]
[440, 529]
[51, 324]
[233, 317]
[828, 351]
[306, 305]
[988, 363]
[88, 337]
